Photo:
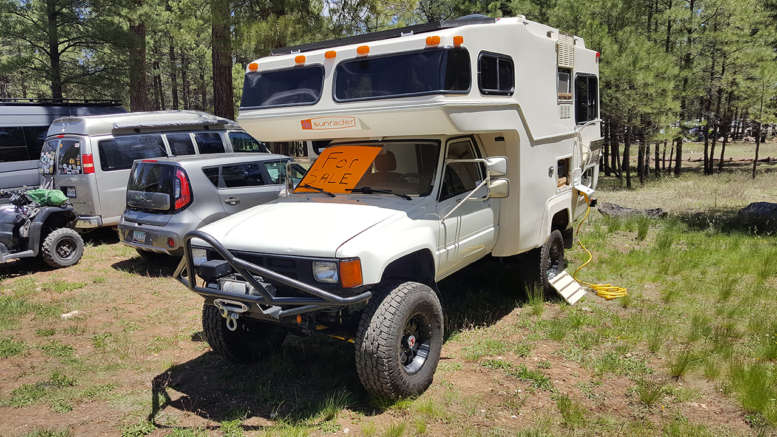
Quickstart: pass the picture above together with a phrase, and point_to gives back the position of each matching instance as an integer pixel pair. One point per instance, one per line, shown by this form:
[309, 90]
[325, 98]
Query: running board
[567, 287]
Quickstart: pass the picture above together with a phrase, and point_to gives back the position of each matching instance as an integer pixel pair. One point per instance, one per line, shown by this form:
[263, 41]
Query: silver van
[89, 158]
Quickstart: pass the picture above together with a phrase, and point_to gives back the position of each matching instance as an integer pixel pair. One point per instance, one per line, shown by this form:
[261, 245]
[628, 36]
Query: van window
[496, 74]
[34, 136]
[289, 87]
[586, 98]
[209, 142]
[69, 157]
[180, 144]
[460, 177]
[248, 174]
[118, 153]
[242, 142]
[430, 71]
[48, 155]
[12, 145]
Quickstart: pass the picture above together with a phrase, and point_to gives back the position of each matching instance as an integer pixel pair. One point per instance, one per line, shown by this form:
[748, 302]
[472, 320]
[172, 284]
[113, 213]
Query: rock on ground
[612, 210]
[762, 215]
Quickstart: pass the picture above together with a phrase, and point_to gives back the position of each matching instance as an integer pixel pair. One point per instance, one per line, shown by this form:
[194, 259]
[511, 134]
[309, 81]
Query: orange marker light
[362, 50]
[432, 40]
[299, 59]
[330, 54]
[458, 40]
[351, 273]
[253, 66]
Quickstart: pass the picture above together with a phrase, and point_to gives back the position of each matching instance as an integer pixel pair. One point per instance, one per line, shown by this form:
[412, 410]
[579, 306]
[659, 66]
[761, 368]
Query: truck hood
[314, 227]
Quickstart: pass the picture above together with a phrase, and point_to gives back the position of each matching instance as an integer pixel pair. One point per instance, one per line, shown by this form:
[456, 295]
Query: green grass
[484, 347]
[60, 286]
[572, 413]
[536, 378]
[29, 394]
[10, 347]
[48, 432]
[138, 429]
[56, 349]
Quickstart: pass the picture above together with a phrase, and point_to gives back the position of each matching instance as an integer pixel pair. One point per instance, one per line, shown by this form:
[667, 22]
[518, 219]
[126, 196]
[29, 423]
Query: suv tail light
[87, 161]
[182, 192]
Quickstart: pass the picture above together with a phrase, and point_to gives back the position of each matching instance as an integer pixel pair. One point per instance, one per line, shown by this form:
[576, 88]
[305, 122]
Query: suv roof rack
[59, 102]
[386, 34]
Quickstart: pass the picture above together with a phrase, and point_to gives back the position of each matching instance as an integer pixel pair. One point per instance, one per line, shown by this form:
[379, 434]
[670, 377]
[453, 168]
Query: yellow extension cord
[607, 291]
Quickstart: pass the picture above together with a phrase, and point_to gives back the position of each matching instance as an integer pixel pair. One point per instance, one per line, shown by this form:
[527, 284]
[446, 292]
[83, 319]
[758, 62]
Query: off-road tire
[252, 341]
[62, 247]
[551, 260]
[381, 330]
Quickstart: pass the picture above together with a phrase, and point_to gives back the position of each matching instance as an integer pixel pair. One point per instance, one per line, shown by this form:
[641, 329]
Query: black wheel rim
[65, 248]
[556, 261]
[415, 344]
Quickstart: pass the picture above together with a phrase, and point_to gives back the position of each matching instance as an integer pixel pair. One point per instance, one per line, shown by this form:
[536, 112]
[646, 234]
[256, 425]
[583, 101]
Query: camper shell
[481, 137]
[89, 158]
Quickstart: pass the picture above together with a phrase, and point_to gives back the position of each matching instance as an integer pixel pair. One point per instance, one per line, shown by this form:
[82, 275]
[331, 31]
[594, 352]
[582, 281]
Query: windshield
[400, 167]
[290, 87]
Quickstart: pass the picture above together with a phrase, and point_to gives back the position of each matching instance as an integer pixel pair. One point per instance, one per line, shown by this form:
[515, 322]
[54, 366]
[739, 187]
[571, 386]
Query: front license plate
[70, 192]
[139, 236]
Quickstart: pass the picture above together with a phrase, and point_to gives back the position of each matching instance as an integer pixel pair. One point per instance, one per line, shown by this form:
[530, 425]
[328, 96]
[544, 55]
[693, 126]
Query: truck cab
[437, 145]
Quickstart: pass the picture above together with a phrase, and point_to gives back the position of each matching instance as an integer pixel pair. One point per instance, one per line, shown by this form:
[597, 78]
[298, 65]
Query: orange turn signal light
[432, 40]
[299, 59]
[362, 50]
[458, 40]
[351, 273]
[253, 66]
[330, 54]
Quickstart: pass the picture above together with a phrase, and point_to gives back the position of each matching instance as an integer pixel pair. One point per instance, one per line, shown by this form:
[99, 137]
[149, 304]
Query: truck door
[468, 233]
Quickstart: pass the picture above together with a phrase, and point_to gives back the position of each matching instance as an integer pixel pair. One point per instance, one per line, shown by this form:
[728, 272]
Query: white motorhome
[439, 144]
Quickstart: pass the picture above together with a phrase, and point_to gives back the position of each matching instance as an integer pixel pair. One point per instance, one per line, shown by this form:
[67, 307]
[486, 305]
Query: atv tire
[251, 342]
[398, 342]
[62, 247]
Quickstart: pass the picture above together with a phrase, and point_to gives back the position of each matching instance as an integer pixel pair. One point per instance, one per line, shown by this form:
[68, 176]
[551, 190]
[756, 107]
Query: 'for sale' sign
[338, 169]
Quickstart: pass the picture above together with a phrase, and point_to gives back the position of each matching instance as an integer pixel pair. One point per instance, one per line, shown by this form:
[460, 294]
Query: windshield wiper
[320, 190]
[369, 190]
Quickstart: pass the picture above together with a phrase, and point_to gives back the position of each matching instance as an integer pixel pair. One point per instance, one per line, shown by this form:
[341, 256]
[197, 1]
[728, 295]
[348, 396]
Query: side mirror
[499, 188]
[496, 166]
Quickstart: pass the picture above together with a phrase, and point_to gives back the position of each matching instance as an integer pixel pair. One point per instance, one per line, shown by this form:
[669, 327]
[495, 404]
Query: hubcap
[415, 344]
[65, 248]
[556, 255]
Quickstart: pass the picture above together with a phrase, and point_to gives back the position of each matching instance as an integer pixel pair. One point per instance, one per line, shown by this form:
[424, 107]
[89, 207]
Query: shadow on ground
[307, 375]
[154, 268]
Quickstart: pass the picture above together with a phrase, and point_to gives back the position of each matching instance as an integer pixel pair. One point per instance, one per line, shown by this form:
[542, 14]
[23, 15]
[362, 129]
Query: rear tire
[252, 341]
[399, 339]
[551, 260]
[63, 247]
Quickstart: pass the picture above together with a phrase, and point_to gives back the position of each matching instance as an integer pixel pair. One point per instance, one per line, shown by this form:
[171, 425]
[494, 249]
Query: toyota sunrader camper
[438, 144]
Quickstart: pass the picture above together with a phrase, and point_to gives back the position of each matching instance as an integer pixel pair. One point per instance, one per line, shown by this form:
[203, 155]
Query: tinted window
[276, 170]
[242, 142]
[242, 175]
[118, 153]
[212, 173]
[586, 98]
[209, 142]
[12, 145]
[431, 71]
[151, 178]
[69, 157]
[34, 136]
[295, 86]
[460, 177]
[180, 144]
[496, 74]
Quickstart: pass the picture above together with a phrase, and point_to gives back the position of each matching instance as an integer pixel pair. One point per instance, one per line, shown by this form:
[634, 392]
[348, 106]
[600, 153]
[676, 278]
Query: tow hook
[230, 310]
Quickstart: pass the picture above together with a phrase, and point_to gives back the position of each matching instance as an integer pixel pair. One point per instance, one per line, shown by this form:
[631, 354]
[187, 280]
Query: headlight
[325, 271]
[199, 256]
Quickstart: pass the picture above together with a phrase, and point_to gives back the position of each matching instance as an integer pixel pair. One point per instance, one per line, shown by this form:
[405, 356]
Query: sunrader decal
[329, 123]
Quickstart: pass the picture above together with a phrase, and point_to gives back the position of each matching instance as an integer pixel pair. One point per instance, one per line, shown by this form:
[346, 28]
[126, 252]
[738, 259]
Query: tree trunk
[663, 159]
[203, 90]
[185, 81]
[626, 149]
[606, 149]
[641, 159]
[55, 74]
[223, 99]
[137, 67]
[656, 157]
[671, 154]
[757, 145]
[173, 76]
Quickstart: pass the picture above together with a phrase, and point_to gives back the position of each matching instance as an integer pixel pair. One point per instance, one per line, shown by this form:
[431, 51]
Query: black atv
[29, 229]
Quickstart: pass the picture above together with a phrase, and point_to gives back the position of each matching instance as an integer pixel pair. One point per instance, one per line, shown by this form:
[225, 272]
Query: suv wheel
[63, 247]
[551, 261]
[399, 340]
[252, 341]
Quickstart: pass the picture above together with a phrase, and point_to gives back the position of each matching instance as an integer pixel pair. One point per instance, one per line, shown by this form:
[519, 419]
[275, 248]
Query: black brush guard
[277, 306]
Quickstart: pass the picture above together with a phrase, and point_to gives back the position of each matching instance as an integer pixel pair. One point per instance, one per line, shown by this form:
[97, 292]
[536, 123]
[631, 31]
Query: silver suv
[168, 197]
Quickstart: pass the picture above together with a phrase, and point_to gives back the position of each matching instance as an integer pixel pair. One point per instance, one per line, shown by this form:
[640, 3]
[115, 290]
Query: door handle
[231, 200]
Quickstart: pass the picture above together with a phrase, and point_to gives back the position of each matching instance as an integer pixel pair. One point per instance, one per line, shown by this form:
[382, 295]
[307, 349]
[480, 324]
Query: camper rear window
[289, 87]
[118, 153]
[430, 71]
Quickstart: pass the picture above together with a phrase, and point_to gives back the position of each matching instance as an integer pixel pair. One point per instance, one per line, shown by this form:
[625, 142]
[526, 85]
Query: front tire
[399, 340]
[551, 261]
[252, 341]
[63, 247]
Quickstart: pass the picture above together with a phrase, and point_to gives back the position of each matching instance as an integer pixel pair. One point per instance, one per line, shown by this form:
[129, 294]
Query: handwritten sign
[338, 169]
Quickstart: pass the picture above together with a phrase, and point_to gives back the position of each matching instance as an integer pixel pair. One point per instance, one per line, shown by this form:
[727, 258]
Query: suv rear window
[289, 87]
[155, 181]
[69, 157]
[118, 153]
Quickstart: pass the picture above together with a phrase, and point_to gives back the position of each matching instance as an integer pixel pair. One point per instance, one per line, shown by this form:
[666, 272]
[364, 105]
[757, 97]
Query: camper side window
[586, 98]
[496, 74]
[564, 84]
[464, 176]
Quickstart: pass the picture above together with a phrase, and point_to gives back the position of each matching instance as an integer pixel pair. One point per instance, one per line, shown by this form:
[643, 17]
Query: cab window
[461, 177]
